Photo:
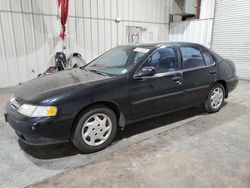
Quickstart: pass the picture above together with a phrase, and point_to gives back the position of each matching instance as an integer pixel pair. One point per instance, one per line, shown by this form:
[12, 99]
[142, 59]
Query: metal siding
[231, 34]
[198, 31]
[20, 51]
[207, 9]
[4, 78]
[9, 45]
[29, 31]
[15, 5]
[4, 5]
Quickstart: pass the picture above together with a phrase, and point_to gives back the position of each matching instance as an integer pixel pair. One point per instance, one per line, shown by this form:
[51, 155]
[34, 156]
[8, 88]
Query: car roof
[157, 44]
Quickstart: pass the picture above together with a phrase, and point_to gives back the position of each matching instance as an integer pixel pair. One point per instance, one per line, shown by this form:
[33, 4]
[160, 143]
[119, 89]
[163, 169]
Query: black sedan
[122, 86]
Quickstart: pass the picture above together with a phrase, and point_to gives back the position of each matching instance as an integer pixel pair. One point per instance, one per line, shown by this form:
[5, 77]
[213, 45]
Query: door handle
[212, 72]
[177, 79]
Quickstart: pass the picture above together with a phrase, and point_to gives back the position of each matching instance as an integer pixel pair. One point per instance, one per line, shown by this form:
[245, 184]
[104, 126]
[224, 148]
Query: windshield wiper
[98, 72]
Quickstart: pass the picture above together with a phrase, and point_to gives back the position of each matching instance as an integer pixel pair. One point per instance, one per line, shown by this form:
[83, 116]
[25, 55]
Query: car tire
[215, 98]
[95, 129]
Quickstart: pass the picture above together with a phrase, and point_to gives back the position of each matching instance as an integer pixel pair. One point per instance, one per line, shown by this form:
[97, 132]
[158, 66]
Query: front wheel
[215, 99]
[95, 129]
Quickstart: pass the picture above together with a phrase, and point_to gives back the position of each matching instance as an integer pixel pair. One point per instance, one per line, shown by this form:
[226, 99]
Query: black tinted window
[191, 57]
[164, 60]
[208, 58]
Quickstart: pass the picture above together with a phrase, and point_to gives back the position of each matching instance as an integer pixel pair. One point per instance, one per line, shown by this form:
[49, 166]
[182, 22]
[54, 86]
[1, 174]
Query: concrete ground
[184, 149]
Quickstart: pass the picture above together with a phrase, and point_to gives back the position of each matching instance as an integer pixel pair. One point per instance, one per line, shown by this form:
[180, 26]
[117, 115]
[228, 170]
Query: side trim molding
[197, 88]
[157, 97]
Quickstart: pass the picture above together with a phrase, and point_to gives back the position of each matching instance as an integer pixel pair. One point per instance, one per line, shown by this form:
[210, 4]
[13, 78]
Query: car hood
[47, 85]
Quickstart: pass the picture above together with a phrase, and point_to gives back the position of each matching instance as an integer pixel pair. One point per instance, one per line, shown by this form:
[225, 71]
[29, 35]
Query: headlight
[26, 109]
[37, 111]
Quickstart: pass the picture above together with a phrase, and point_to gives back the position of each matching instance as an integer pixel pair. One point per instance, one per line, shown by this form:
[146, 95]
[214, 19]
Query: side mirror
[146, 71]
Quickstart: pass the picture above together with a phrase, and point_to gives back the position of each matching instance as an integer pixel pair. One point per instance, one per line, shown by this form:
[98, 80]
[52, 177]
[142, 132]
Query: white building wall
[207, 9]
[197, 30]
[29, 31]
[231, 34]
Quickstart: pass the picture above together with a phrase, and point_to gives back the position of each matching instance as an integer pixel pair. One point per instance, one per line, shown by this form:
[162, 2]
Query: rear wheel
[215, 98]
[95, 129]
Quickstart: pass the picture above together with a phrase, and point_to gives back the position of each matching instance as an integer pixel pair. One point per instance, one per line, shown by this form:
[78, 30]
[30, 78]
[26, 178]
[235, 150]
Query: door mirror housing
[146, 71]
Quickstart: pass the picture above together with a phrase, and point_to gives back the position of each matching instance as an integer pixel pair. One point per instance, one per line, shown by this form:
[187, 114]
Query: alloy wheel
[216, 98]
[96, 129]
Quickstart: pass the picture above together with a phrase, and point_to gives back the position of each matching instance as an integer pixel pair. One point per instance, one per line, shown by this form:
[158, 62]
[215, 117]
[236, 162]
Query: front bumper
[38, 131]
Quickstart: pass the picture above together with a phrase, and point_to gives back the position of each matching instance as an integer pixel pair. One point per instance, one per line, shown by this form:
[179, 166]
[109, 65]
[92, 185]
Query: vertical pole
[198, 7]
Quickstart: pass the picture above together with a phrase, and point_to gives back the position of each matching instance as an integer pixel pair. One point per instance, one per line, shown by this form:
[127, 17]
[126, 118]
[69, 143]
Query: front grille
[14, 104]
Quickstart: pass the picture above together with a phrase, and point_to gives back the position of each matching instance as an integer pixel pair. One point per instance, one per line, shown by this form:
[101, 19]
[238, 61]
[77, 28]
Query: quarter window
[164, 60]
[208, 58]
[191, 57]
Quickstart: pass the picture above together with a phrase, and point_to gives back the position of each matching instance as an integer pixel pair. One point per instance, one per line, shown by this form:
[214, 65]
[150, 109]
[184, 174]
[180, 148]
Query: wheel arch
[108, 104]
[224, 84]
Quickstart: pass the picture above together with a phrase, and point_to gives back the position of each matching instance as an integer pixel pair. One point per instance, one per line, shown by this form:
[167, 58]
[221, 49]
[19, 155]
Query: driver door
[161, 92]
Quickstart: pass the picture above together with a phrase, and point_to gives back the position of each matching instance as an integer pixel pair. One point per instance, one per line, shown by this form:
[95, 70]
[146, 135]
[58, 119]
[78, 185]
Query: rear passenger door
[199, 73]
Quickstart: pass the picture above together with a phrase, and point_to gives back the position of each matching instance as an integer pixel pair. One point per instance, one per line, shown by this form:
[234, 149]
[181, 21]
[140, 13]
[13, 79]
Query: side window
[209, 60]
[191, 57]
[164, 60]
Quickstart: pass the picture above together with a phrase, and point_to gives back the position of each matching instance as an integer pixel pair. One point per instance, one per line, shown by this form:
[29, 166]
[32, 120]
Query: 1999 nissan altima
[124, 85]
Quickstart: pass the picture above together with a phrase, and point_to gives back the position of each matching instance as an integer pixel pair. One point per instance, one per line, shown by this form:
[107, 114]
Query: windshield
[117, 61]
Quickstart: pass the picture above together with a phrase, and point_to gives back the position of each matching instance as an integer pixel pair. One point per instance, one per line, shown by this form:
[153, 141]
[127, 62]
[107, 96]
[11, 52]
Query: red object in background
[64, 5]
